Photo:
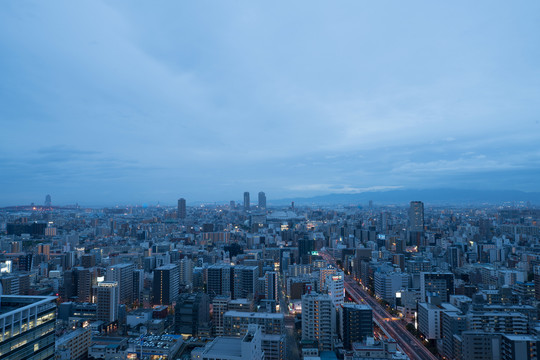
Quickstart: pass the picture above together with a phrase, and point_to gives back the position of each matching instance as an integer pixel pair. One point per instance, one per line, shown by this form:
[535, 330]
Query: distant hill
[428, 196]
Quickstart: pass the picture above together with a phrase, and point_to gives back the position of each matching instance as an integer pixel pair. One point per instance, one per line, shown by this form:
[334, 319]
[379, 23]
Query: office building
[387, 284]
[318, 320]
[108, 300]
[437, 283]
[219, 280]
[356, 323]
[181, 211]
[166, 284]
[123, 274]
[480, 345]
[246, 201]
[138, 284]
[262, 200]
[271, 286]
[192, 313]
[244, 281]
[186, 271]
[32, 337]
[416, 216]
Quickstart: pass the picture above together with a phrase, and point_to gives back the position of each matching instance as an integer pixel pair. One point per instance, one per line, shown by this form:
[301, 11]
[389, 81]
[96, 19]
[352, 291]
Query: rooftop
[225, 346]
[10, 303]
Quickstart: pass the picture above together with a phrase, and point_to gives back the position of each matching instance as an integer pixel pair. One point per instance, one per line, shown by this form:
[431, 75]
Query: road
[408, 343]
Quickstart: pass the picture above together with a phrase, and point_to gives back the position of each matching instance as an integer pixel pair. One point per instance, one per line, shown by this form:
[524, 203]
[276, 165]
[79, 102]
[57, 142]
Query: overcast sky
[105, 102]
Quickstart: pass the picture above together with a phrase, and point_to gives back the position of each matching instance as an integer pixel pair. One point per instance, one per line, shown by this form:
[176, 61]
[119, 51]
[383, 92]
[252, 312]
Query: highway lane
[406, 341]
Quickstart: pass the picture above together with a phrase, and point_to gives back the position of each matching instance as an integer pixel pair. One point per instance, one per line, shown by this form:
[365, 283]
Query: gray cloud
[132, 102]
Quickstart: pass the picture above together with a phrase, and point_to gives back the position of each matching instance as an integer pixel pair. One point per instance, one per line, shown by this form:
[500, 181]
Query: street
[408, 343]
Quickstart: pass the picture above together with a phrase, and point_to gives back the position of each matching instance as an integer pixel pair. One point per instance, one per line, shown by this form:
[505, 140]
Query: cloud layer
[121, 101]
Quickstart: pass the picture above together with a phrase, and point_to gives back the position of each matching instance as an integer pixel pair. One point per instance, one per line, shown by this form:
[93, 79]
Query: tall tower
[108, 299]
[48, 201]
[181, 208]
[318, 320]
[166, 284]
[416, 216]
[271, 286]
[123, 274]
[246, 201]
[262, 200]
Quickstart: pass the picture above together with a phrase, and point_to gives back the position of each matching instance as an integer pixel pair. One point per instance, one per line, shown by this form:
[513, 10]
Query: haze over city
[105, 102]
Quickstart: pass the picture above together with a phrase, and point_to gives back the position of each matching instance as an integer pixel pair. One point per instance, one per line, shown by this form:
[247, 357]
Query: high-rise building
[192, 312]
[318, 320]
[48, 201]
[262, 200]
[387, 284]
[220, 305]
[244, 281]
[356, 323]
[138, 284]
[186, 271]
[453, 323]
[335, 287]
[219, 280]
[108, 300]
[74, 344]
[519, 347]
[166, 284]
[181, 212]
[480, 345]
[32, 335]
[246, 201]
[272, 326]
[123, 274]
[437, 283]
[416, 216]
[271, 286]
[85, 282]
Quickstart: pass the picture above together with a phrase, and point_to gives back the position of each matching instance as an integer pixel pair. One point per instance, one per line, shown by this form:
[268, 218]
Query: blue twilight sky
[105, 102]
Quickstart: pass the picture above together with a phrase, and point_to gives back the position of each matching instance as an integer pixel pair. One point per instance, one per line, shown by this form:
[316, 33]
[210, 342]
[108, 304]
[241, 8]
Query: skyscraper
[166, 284]
[123, 274]
[271, 286]
[219, 280]
[436, 283]
[318, 320]
[192, 312]
[108, 299]
[416, 216]
[181, 212]
[28, 327]
[356, 323]
[48, 201]
[262, 200]
[246, 201]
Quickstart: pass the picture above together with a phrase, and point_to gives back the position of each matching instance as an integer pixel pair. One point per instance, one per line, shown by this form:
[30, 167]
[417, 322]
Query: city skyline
[208, 102]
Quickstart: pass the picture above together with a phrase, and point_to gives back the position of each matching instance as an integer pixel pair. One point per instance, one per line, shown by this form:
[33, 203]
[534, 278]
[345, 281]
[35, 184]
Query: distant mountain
[428, 196]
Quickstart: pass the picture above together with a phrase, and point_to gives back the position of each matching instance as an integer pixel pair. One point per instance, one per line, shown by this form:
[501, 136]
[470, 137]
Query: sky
[126, 102]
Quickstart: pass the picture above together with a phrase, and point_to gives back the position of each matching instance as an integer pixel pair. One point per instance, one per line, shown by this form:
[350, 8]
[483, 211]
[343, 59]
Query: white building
[336, 288]
[319, 320]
